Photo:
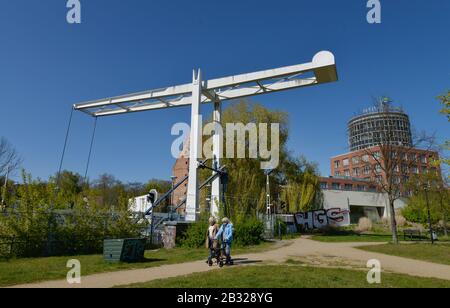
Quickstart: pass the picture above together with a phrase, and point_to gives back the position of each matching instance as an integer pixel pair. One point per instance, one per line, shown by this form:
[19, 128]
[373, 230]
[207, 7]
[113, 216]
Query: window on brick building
[337, 164]
[346, 162]
[355, 160]
[336, 186]
[378, 168]
[405, 168]
[366, 170]
[423, 159]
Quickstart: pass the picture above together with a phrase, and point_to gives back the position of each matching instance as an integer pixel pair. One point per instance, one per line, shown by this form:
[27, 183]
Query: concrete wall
[345, 199]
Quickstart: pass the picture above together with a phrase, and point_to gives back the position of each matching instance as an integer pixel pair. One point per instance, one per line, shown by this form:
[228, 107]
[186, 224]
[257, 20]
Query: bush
[420, 215]
[63, 232]
[401, 221]
[195, 235]
[364, 225]
[281, 226]
[249, 232]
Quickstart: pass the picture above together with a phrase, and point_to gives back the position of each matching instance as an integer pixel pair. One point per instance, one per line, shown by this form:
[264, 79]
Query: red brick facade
[179, 171]
[361, 165]
[333, 183]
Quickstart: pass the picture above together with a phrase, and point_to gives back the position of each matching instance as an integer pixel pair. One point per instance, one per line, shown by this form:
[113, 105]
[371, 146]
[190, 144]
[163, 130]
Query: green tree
[246, 189]
[432, 186]
[300, 196]
[445, 101]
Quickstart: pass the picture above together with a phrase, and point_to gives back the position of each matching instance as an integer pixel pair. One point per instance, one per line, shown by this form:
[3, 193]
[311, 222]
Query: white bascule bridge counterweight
[322, 69]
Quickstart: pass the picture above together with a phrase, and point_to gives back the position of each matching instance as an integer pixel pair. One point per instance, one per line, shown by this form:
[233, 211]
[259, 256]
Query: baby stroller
[218, 254]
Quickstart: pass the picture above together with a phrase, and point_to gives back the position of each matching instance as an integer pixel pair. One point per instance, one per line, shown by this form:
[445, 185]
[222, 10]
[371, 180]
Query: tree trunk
[445, 224]
[393, 223]
[445, 219]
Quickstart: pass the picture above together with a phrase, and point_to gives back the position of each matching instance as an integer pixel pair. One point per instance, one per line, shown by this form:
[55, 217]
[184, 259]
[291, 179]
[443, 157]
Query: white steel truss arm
[322, 69]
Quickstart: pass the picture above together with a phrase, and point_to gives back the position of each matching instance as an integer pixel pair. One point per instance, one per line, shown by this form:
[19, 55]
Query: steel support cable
[58, 177]
[90, 149]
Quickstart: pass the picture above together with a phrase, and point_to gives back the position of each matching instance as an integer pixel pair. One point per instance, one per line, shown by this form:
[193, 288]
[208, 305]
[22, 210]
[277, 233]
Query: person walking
[211, 233]
[225, 234]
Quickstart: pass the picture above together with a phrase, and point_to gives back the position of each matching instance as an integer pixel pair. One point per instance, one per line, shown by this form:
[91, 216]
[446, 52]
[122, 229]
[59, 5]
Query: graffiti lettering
[320, 219]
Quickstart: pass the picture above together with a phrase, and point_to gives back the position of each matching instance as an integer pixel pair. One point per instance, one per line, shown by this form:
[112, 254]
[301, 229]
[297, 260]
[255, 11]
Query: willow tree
[247, 181]
[302, 196]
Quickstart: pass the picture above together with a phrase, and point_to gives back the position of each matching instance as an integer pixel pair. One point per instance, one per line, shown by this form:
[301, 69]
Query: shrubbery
[420, 215]
[44, 232]
[364, 225]
[195, 235]
[41, 220]
[247, 232]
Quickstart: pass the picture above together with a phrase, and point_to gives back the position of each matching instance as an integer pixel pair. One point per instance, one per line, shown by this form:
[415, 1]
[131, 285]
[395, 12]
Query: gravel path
[342, 255]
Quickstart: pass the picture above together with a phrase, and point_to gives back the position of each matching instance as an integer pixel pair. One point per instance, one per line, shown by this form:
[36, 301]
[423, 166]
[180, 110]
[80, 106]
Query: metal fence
[64, 232]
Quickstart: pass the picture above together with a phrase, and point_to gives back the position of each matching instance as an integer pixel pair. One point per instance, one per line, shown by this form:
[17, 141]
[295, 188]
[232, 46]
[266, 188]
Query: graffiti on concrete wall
[169, 237]
[320, 219]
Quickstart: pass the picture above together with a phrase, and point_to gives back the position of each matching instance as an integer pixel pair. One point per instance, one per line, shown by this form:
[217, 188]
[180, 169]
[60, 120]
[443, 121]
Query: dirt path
[343, 255]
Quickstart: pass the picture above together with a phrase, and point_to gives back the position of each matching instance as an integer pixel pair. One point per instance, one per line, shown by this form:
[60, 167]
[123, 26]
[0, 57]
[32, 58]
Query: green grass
[439, 253]
[342, 238]
[290, 276]
[22, 271]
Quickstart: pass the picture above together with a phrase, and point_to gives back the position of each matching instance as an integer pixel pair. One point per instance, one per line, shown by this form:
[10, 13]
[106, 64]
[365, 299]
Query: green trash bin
[124, 250]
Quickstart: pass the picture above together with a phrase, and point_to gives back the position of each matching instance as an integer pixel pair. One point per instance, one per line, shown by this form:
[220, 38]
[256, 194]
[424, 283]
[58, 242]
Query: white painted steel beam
[322, 70]
[216, 189]
[195, 148]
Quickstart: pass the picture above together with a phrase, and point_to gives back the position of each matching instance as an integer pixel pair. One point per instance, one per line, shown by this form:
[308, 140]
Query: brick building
[363, 165]
[179, 171]
[347, 184]
[353, 184]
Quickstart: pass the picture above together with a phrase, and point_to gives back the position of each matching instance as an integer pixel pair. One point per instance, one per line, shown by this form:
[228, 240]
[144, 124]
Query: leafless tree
[9, 162]
[391, 161]
[9, 158]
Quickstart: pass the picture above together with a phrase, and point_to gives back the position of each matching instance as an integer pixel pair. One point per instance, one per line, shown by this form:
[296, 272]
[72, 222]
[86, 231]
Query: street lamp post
[429, 214]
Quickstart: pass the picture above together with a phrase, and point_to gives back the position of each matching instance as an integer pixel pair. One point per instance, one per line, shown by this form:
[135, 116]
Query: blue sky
[46, 65]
